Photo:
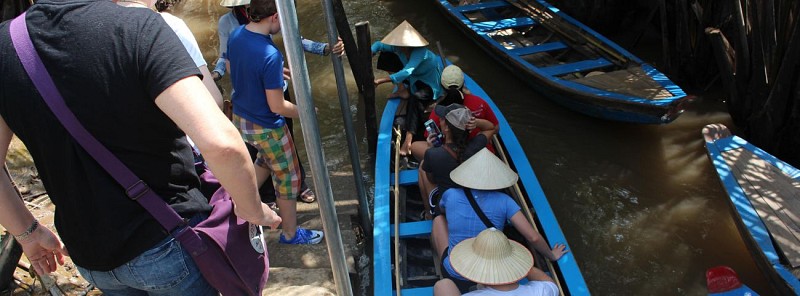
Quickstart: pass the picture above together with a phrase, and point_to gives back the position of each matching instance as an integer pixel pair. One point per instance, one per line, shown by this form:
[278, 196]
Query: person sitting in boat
[455, 92]
[412, 67]
[497, 263]
[434, 176]
[478, 206]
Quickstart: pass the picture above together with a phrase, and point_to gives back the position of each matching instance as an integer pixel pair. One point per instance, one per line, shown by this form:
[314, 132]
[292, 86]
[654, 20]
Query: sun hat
[455, 114]
[232, 3]
[491, 259]
[484, 171]
[405, 35]
[452, 76]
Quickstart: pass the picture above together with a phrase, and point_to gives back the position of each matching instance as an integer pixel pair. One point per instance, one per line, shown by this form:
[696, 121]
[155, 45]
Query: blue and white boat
[567, 61]
[764, 195]
[411, 261]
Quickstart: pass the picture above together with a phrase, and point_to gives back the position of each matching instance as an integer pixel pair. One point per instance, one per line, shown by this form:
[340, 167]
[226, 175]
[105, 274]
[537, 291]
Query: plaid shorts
[276, 153]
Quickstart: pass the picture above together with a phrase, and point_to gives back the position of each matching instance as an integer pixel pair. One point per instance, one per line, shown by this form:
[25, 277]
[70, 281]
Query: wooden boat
[567, 61]
[408, 240]
[764, 194]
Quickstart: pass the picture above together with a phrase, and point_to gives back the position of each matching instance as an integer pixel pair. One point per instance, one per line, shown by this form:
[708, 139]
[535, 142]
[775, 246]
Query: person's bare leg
[425, 188]
[287, 208]
[406, 148]
[262, 173]
[446, 287]
[439, 234]
[418, 149]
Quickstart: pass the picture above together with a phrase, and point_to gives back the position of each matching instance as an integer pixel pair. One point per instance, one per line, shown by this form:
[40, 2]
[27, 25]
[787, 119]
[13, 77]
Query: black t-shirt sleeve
[162, 58]
[475, 144]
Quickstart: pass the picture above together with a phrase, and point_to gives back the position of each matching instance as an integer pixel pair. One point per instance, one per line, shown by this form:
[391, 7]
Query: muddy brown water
[640, 205]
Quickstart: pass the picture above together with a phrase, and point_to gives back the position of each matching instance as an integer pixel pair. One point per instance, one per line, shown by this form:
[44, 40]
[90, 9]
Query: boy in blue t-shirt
[256, 68]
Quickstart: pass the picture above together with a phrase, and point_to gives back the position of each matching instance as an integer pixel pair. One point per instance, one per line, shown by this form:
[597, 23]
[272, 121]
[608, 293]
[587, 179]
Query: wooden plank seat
[481, 6]
[503, 24]
[576, 67]
[413, 229]
[407, 177]
[550, 46]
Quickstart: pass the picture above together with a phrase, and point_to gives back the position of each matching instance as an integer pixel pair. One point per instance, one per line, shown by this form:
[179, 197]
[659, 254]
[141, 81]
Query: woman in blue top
[414, 67]
[486, 175]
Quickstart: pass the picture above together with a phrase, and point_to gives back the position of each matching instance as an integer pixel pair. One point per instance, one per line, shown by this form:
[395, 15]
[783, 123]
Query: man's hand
[287, 74]
[471, 124]
[338, 48]
[216, 75]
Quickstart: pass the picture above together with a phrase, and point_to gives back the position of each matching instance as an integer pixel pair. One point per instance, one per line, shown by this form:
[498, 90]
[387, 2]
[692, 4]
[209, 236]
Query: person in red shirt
[453, 82]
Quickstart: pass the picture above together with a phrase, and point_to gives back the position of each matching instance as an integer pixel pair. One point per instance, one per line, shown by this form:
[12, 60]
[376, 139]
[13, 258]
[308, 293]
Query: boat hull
[575, 96]
[752, 228]
[565, 269]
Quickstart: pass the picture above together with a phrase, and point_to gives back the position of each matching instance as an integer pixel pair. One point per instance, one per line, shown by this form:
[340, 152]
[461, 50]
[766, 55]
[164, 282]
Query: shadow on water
[641, 205]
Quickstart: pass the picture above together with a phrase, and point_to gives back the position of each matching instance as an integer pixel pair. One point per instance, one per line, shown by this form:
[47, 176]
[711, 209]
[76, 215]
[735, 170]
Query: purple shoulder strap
[135, 188]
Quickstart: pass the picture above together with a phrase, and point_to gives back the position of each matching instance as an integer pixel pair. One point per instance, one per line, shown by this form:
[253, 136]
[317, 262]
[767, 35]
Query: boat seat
[509, 23]
[576, 67]
[413, 229]
[551, 46]
[480, 6]
[407, 177]
[421, 291]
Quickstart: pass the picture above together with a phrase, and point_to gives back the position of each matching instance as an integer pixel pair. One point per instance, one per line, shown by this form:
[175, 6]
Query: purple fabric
[240, 274]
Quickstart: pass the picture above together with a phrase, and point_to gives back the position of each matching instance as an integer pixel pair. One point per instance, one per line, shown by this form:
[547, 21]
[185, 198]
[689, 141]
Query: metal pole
[316, 157]
[344, 103]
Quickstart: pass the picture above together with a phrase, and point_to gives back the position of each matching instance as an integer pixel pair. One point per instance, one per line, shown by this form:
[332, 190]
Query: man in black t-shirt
[125, 75]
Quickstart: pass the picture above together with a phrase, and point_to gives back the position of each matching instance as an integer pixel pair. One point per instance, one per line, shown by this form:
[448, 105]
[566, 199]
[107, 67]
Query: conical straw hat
[484, 171]
[232, 3]
[405, 35]
[491, 259]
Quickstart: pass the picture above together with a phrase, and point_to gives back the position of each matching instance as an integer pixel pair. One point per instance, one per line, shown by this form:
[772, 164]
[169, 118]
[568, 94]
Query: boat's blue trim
[573, 279]
[424, 291]
[481, 6]
[382, 257]
[744, 290]
[503, 24]
[414, 229]
[755, 226]
[551, 46]
[407, 177]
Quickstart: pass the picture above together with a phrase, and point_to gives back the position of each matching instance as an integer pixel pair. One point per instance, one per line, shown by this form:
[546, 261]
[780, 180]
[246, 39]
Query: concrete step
[311, 256]
[300, 281]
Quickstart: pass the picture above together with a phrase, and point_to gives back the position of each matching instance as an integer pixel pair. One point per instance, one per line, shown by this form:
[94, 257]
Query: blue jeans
[166, 269]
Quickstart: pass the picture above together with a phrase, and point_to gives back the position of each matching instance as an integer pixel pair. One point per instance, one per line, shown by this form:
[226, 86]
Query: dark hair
[162, 5]
[261, 9]
[460, 139]
[452, 96]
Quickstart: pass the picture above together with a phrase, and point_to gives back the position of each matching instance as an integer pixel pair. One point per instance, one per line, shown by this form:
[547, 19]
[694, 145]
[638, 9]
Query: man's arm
[192, 110]
[278, 105]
